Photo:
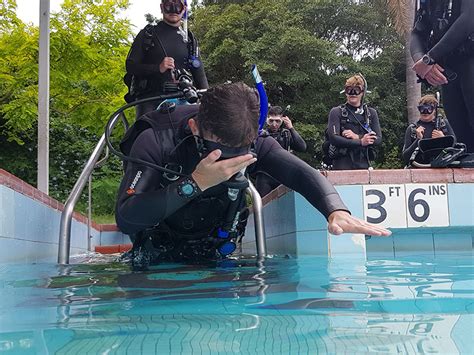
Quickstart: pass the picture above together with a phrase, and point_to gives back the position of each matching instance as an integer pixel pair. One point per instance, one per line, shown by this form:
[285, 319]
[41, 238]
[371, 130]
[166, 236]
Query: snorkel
[185, 22]
[262, 96]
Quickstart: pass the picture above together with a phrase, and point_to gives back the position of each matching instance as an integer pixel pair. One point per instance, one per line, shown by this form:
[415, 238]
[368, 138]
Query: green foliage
[305, 50]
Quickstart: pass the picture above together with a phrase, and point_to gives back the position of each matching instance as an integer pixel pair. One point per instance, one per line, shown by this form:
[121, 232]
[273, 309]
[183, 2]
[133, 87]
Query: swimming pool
[409, 304]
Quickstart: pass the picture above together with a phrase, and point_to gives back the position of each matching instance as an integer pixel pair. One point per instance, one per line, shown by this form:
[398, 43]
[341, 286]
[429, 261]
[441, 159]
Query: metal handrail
[66, 216]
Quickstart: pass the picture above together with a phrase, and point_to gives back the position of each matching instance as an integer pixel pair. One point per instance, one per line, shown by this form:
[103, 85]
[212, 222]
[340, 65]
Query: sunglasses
[173, 7]
[353, 90]
[426, 109]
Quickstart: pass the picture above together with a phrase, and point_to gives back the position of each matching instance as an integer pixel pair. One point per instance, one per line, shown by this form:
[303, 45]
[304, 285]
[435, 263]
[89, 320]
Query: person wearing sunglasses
[280, 127]
[442, 47]
[429, 125]
[182, 196]
[353, 130]
[157, 53]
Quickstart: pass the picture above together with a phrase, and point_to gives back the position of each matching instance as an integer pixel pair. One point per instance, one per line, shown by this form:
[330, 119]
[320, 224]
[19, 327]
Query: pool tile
[380, 245]
[312, 243]
[461, 204]
[452, 241]
[7, 212]
[413, 242]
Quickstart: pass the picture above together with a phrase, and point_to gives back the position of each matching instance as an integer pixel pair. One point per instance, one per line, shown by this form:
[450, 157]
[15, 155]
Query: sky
[28, 11]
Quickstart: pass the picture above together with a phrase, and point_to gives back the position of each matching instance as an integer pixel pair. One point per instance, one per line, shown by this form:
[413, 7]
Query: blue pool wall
[29, 225]
[295, 227]
[29, 220]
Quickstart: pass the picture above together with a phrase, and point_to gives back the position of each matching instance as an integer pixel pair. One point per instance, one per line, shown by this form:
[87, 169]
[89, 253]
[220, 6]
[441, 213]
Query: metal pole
[89, 214]
[258, 219]
[43, 99]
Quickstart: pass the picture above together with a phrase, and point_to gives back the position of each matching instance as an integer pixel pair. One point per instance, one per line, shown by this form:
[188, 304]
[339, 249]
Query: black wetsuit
[453, 48]
[150, 47]
[411, 140]
[351, 154]
[289, 139]
[147, 199]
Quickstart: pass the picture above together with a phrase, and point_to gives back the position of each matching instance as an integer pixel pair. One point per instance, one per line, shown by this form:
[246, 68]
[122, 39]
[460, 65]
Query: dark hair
[275, 111]
[230, 112]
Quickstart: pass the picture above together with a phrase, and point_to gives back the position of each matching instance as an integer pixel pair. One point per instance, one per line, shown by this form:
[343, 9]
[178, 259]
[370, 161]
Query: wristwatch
[428, 60]
[188, 188]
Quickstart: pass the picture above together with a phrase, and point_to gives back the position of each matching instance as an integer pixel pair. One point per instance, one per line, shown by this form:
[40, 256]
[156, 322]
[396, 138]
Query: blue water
[307, 305]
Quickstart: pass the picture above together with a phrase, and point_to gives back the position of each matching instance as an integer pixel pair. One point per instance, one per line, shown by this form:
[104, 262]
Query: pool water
[283, 305]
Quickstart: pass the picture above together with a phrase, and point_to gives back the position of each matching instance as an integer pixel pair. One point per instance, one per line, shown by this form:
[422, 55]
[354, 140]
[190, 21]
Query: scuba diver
[182, 195]
[280, 127]
[353, 130]
[429, 126]
[442, 47]
[158, 54]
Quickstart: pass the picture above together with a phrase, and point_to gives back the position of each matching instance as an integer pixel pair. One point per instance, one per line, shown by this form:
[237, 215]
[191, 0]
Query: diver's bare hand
[435, 76]
[437, 133]
[167, 63]
[210, 172]
[342, 222]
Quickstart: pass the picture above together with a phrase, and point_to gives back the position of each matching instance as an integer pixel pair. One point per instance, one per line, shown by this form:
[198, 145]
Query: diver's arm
[134, 63]
[334, 131]
[200, 78]
[375, 125]
[297, 142]
[409, 145]
[450, 131]
[419, 36]
[297, 175]
[142, 202]
[459, 31]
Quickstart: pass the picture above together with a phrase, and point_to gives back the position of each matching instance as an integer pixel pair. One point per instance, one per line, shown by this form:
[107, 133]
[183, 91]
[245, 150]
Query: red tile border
[125, 247]
[386, 176]
[107, 249]
[348, 177]
[432, 175]
[463, 175]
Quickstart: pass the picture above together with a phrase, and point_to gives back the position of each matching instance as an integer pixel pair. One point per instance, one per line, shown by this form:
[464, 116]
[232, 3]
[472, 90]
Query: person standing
[157, 52]
[280, 127]
[353, 129]
[442, 47]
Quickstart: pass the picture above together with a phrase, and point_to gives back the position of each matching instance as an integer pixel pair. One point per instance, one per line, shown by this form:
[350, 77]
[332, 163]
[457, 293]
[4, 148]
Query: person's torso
[355, 120]
[431, 126]
[441, 14]
[172, 45]
[283, 137]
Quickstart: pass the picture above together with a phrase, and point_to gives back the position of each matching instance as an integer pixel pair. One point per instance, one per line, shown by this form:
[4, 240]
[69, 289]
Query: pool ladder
[86, 177]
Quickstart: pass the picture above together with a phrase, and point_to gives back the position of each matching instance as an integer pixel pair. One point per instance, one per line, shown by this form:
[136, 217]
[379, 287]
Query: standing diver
[158, 53]
[353, 130]
[280, 127]
[197, 212]
[442, 46]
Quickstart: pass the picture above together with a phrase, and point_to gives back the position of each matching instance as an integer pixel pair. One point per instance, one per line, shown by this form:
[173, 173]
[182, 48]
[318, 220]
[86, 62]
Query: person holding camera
[280, 127]
[182, 195]
[430, 125]
[442, 47]
[353, 129]
[159, 54]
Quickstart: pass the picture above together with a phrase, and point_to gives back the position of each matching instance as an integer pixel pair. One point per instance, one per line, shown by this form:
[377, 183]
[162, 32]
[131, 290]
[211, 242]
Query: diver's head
[173, 11]
[227, 119]
[274, 119]
[427, 108]
[354, 90]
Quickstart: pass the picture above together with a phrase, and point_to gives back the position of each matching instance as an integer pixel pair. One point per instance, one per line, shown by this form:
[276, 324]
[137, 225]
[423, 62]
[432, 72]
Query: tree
[305, 50]
[89, 45]
[402, 13]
